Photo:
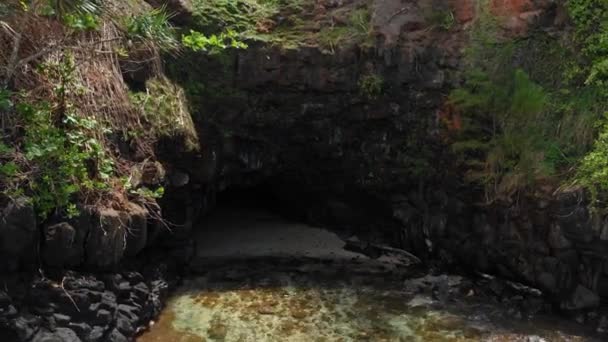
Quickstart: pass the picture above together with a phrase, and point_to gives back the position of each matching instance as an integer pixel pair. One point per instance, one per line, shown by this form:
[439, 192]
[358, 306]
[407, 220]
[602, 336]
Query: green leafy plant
[356, 31]
[371, 86]
[149, 194]
[153, 28]
[165, 107]
[591, 21]
[64, 7]
[64, 156]
[81, 21]
[442, 19]
[212, 44]
[593, 170]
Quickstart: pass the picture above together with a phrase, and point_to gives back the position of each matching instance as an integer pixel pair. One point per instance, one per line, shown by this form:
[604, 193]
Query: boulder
[59, 335]
[58, 244]
[581, 298]
[107, 239]
[18, 234]
[137, 228]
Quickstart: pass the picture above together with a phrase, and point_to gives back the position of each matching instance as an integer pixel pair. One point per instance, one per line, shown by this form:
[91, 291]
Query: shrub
[154, 29]
[214, 43]
[370, 86]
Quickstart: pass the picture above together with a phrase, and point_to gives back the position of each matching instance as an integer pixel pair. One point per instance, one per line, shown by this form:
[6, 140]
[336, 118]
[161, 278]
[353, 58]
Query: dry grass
[28, 41]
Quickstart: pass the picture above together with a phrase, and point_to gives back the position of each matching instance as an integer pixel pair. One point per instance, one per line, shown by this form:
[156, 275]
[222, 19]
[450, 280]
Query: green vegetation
[164, 106]
[591, 21]
[442, 19]
[213, 44]
[356, 31]
[60, 153]
[370, 86]
[152, 28]
[522, 121]
[284, 23]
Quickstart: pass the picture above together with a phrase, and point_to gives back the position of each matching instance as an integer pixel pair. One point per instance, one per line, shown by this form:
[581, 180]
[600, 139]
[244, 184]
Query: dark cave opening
[349, 212]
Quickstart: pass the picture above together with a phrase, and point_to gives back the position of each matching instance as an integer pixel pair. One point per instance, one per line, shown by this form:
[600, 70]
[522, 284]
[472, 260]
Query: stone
[602, 326]
[106, 242]
[420, 301]
[581, 298]
[58, 243]
[547, 282]
[61, 319]
[103, 317]
[556, 238]
[124, 325]
[604, 231]
[83, 282]
[83, 330]
[59, 335]
[136, 218]
[18, 233]
[26, 326]
[179, 179]
[96, 334]
[116, 336]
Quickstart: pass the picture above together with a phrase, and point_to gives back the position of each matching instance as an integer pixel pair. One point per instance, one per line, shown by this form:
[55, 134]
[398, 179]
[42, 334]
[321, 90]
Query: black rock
[60, 335]
[26, 326]
[61, 319]
[81, 329]
[124, 325]
[116, 336]
[103, 317]
[96, 334]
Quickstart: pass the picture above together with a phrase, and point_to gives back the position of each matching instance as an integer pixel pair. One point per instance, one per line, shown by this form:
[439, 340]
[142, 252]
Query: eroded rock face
[550, 241]
[18, 234]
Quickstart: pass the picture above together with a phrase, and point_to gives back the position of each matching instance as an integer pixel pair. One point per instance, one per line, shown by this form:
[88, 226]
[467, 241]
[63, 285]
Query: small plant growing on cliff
[371, 86]
[356, 31]
[593, 171]
[442, 19]
[214, 43]
[154, 29]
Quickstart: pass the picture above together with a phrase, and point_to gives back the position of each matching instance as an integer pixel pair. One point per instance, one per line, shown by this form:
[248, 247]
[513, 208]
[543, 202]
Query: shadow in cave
[254, 223]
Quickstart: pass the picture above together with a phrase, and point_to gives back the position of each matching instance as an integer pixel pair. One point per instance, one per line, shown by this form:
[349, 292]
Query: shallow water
[290, 306]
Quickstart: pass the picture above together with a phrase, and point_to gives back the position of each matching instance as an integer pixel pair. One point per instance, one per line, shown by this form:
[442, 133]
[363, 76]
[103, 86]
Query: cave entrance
[255, 222]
